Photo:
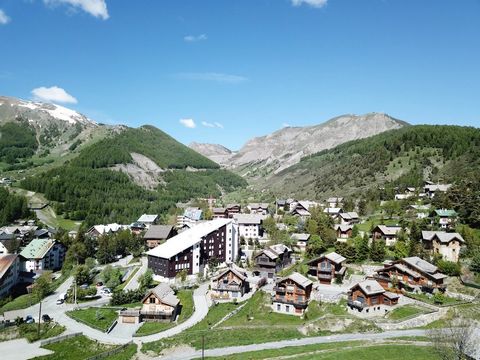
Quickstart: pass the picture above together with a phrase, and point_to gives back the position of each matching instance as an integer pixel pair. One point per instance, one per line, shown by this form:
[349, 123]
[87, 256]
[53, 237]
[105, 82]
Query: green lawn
[186, 299]
[429, 300]
[405, 312]
[354, 350]
[125, 354]
[29, 331]
[76, 348]
[97, 318]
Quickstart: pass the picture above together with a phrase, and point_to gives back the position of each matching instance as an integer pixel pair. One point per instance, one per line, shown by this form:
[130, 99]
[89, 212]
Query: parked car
[46, 318]
[29, 319]
[99, 284]
[106, 291]
[61, 298]
[84, 286]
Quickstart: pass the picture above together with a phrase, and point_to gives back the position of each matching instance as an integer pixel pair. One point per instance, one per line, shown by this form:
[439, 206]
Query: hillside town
[399, 267]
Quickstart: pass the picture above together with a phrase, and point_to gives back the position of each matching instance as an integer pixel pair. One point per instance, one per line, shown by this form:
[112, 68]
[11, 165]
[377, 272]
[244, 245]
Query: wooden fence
[59, 338]
[109, 353]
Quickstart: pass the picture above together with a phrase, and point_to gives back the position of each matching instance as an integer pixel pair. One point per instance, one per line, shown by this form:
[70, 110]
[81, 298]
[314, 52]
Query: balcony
[226, 287]
[280, 290]
[297, 303]
[325, 276]
[156, 313]
[265, 263]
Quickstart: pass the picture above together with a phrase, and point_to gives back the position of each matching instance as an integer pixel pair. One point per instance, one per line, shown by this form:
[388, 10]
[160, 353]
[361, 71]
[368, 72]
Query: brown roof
[159, 232]
[5, 262]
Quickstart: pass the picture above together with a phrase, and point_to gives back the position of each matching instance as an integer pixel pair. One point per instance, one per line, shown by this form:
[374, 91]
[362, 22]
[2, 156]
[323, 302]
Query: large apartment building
[193, 248]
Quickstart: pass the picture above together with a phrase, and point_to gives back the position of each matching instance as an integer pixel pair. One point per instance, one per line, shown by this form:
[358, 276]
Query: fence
[108, 353]
[59, 338]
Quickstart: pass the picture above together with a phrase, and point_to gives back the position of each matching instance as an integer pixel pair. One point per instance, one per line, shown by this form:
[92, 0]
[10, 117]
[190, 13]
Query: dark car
[46, 318]
[99, 283]
[29, 319]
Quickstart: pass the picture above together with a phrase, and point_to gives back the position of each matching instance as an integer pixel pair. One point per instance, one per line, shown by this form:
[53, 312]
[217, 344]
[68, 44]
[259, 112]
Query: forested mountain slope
[88, 189]
[403, 157]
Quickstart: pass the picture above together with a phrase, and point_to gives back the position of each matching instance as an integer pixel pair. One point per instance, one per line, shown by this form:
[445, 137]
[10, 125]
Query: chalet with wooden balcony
[158, 234]
[160, 304]
[230, 284]
[271, 260]
[292, 294]
[412, 273]
[327, 268]
[349, 218]
[387, 233]
[344, 231]
[233, 209]
[369, 298]
[448, 245]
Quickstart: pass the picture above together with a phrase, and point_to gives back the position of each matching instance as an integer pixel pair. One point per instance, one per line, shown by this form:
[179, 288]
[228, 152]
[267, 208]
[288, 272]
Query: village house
[447, 245]
[444, 218]
[408, 193]
[302, 208]
[191, 249]
[301, 240]
[387, 233]
[258, 208]
[160, 304]
[344, 231]
[250, 225]
[292, 294]
[335, 202]
[158, 234]
[349, 218]
[137, 227]
[191, 216]
[411, 273]
[233, 209]
[328, 268]
[368, 298]
[9, 244]
[109, 229]
[219, 213]
[286, 205]
[9, 273]
[229, 284]
[148, 220]
[430, 189]
[334, 213]
[42, 254]
[271, 260]
[419, 211]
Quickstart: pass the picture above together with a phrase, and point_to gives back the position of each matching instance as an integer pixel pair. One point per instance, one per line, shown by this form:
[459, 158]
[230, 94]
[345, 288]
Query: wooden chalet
[411, 273]
[327, 268]
[292, 294]
[271, 260]
[158, 234]
[230, 284]
[344, 231]
[371, 298]
[233, 209]
[387, 233]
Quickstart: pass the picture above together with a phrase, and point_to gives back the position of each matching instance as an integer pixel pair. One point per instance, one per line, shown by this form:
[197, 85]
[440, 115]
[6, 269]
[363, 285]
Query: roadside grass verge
[95, 317]
[405, 312]
[29, 331]
[76, 348]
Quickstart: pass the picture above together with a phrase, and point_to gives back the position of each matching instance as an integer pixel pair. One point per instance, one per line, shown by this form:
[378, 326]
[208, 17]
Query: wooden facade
[271, 260]
[292, 294]
[327, 268]
[370, 293]
[230, 284]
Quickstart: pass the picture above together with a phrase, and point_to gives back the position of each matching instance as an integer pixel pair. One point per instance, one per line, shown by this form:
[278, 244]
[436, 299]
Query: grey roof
[193, 213]
[147, 218]
[241, 273]
[370, 287]
[391, 295]
[420, 264]
[349, 215]
[258, 206]
[255, 219]
[297, 278]
[336, 258]
[301, 237]
[335, 199]
[160, 232]
[343, 227]
[389, 230]
[280, 248]
[164, 293]
[442, 236]
[438, 187]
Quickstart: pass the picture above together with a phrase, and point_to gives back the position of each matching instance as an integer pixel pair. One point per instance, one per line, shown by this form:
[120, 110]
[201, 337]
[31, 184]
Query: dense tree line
[451, 152]
[12, 207]
[164, 150]
[17, 141]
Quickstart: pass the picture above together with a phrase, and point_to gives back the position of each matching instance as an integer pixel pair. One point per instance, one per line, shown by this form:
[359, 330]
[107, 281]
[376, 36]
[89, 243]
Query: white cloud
[97, 8]
[53, 94]
[188, 123]
[212, 125]
[4, 19]
[285, 125]
[313, 3]
[216, 77]
[195, 38]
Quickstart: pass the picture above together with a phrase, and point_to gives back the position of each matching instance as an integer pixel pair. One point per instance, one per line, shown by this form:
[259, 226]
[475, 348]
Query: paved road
[296, 342]
[133, 283]
[21, 349]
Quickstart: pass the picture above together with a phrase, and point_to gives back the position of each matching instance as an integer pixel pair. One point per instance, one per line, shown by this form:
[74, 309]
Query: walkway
[296, 342]
[133, 284]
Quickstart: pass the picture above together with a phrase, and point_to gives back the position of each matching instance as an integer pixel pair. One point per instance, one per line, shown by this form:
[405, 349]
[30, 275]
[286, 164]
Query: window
[374, 300]
[287, 308]
[279, 307]
[152, 300]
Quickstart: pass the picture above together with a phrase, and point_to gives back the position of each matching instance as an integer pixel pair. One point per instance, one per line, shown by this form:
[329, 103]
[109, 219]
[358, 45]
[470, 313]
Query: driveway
[133, 284]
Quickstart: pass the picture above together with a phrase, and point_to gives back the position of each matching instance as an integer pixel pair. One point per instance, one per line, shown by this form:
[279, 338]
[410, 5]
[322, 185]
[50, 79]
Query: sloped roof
[164, 293]
[104, 229]
[389, 230]
[187, 238]
[370, 287]
[37, 248]
[442, 236]
[5, 262]
[335, 199]
[300, 237]
[147, 218]
[349, 215]
[258, 206]
[255, 219]
[437, 187]
[336, 258]
[158, 232]
[241, 273]
[420, 264]
[332, 210]
[193, 213]
[279, 248]
[446, 213]
[343, 227]
[297, 278]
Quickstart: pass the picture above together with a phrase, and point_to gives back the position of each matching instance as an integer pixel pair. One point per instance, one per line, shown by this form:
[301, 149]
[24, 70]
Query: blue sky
[244, 68]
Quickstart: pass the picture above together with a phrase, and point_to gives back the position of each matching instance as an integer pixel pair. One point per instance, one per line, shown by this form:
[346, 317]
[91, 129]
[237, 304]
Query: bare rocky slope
[270, 154]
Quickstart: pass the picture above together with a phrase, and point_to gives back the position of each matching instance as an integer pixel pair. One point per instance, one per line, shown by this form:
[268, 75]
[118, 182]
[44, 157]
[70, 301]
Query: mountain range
[270, 154]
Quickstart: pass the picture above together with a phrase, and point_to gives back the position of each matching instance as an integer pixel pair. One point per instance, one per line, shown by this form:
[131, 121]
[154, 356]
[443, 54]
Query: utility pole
[203, 347]
[39, 318]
